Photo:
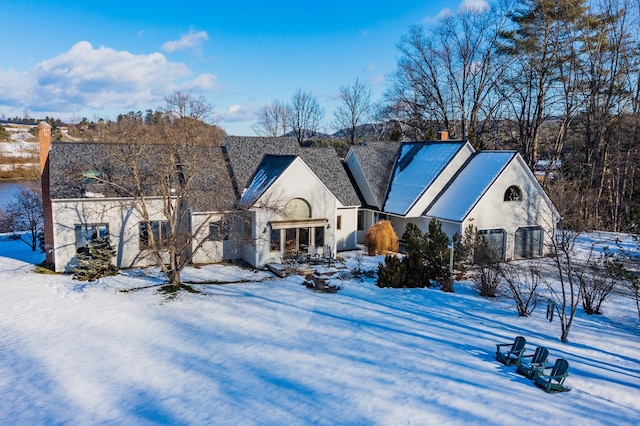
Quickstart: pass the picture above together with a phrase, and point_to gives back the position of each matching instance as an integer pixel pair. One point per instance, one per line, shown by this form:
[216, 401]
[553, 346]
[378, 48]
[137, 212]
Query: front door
[297, 240]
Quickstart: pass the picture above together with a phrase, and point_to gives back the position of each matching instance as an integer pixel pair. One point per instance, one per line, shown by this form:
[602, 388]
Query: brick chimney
[443, 135]
[44, 140]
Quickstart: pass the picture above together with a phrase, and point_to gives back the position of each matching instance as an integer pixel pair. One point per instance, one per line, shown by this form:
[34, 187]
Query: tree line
[557, 80]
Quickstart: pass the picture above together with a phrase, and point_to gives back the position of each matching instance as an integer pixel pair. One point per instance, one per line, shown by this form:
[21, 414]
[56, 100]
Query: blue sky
[73, 59]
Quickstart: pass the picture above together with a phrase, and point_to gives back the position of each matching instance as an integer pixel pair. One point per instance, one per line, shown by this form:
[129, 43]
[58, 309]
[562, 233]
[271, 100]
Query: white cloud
[14, 87]
[202, 82]
[191, 39]
[86, 79]
[474, 5]
[465, 6]
[238, 113]
[442, 14]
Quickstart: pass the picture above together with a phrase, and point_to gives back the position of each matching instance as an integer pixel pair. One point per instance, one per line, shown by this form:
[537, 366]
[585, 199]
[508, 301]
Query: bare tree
[564, 286]
[522, 282]
[447, 75]
[24, 217]
[305, 115]
[604, 274]
[272, 120]
[354, 109]
[158, 170]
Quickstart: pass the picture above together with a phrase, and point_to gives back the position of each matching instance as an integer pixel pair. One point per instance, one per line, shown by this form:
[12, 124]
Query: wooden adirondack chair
[536, 365]
[512, 356]
[327, 255]
[554, 381]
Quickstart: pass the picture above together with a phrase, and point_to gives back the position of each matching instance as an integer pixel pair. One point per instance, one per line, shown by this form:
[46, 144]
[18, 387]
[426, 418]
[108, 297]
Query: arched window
[297, 208]
[513, 193]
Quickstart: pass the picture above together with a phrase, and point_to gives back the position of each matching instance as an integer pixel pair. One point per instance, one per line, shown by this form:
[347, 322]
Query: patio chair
[314, 258]
[554, 381]
[327, 255]
[512, 356]
[536, 365]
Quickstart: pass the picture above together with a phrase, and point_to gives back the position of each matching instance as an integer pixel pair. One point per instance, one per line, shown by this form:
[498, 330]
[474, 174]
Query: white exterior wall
[124, 231]
[492, 212]
[212, 251]
[441, 181]
[400, 224]
[122, 219]
[298, 181]
[368, 222]
[346, 238]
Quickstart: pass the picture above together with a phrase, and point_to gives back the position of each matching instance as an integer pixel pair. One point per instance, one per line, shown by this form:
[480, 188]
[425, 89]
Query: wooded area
[558, 80]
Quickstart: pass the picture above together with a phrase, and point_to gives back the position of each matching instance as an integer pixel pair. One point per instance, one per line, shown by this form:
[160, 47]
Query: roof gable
[469, 185]
[267, 172]
[375, 161]
[416, 168]
[246, 153]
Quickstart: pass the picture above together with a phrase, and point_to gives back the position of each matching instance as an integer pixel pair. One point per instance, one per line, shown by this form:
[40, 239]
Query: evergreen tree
[437, 251]
[95, 261]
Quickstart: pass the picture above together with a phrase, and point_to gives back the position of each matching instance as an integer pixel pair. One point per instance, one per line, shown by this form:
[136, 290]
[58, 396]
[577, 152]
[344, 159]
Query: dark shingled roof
[377, 160]
[212, 190]
[246, 153]
[270, 169]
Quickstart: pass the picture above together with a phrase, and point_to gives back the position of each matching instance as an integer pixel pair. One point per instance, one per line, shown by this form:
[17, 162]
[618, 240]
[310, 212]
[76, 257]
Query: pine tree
[95, 261]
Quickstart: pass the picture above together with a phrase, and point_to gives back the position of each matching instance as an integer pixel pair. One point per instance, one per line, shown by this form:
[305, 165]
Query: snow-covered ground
[269, 351]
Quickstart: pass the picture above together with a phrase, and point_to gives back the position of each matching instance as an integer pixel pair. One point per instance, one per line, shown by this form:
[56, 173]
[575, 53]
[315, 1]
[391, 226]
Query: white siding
[492, 212]
[298, 181]
[346, 238]
[123, 223]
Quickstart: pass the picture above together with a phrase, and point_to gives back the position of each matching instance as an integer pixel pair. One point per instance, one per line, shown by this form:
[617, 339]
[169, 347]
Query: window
[496, 239]
[303, 239]
[360, 220]
[275, 240]
[90, 232]
[513, 193]
[219, 230]
[159, 230]
[297, 209]
[290, 238]
[339, 222]
[528, 242]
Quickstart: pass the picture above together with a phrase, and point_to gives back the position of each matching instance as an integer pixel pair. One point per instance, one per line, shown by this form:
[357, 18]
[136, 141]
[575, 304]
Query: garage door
[528, 242]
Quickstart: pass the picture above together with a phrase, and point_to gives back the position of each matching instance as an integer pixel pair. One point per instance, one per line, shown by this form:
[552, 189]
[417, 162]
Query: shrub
[522, 282]
[487, 267]
[432, 249]
[410, 272]
[390, 274]
[381, 239]
[95, 261]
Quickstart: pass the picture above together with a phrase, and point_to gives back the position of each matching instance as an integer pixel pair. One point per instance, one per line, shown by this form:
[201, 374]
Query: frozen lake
[8, 191]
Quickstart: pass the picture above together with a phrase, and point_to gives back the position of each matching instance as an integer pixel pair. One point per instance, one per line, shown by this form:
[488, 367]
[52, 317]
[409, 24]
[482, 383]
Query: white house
[232, 223]
[493, 191]
[258, 199]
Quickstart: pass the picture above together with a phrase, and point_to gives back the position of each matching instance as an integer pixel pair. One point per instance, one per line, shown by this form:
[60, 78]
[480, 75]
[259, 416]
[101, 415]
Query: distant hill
[364, 132]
